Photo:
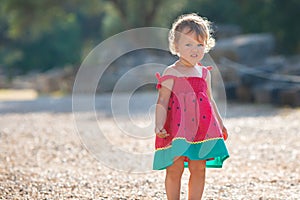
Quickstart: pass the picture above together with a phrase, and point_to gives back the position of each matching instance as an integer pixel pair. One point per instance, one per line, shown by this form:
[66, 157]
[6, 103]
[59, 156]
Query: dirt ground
[42, 156]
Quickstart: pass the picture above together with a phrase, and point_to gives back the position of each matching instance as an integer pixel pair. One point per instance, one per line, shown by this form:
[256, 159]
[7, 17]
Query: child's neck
[185, 63]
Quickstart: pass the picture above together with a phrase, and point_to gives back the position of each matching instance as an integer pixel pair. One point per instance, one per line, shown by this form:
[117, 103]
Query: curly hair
[201, 26]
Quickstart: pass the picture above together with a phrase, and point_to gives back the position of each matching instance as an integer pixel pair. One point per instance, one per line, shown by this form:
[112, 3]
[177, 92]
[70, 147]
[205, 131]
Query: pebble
[42, 158]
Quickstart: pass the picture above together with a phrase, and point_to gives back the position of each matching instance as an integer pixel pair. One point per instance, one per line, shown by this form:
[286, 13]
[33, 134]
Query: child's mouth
[194, 55]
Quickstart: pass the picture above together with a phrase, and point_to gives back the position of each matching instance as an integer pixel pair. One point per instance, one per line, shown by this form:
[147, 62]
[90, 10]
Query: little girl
[189, 129]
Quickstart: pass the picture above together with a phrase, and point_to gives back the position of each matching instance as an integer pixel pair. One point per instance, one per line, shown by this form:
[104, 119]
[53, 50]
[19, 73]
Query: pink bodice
[190, 114]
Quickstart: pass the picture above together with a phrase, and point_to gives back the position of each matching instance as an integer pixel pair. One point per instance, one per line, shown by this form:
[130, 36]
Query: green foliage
[220, 11]
[127, 14]
[59, 46]
[275, 16]
[39, 35]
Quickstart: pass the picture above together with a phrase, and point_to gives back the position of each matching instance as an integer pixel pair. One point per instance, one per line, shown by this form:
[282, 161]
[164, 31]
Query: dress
[193, 127]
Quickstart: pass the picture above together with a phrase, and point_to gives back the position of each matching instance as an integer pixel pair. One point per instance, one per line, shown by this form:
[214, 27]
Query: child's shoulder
[170, 70]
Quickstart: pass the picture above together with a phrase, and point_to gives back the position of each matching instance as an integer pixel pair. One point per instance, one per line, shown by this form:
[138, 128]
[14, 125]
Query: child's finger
[225, 134]
[163, 134]
[160, 135]
[166, 134]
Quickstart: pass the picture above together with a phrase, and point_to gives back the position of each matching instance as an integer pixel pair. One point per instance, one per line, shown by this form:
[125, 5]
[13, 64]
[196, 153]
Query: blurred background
[48, 149]
[42, 43]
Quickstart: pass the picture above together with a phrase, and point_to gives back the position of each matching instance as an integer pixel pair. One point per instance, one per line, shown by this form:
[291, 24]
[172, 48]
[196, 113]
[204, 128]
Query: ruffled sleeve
[161, 79]
[205, 71]
[209, 68]
[158, 77]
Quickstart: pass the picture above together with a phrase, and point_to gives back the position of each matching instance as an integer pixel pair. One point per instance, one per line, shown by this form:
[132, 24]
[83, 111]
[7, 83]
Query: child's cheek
[187, 49]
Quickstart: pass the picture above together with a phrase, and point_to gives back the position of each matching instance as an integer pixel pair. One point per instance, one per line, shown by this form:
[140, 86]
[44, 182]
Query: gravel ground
[42, 156]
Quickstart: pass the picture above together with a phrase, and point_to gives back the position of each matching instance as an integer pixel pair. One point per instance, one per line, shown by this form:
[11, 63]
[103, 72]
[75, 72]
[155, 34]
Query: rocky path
[42, 157]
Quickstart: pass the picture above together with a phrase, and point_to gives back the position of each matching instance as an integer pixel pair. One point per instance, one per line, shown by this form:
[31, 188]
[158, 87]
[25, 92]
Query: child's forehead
[190, 35]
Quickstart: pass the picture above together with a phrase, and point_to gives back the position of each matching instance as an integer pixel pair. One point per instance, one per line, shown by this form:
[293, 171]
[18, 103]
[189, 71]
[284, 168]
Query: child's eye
[200, 45]
[188, 45]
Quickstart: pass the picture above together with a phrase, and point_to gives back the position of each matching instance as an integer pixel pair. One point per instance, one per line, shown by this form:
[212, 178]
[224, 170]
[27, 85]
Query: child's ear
[176, 47]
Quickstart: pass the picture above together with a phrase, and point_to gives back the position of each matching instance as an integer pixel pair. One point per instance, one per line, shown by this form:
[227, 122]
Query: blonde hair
[201, 26]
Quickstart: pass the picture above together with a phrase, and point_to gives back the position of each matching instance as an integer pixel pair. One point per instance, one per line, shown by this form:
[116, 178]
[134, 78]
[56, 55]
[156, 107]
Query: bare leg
[173, 179]
[197, 179]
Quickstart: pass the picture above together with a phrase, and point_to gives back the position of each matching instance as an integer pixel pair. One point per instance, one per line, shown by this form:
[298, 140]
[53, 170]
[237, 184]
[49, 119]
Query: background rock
[246, 49]
[222, 31]
[50, 81]
[264, 83]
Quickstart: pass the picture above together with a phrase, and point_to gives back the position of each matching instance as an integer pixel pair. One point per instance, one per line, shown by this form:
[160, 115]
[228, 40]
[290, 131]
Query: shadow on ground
[135, 104]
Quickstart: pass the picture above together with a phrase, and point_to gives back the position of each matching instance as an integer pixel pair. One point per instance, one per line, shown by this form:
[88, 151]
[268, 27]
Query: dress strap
[205, 71]
[161, 79]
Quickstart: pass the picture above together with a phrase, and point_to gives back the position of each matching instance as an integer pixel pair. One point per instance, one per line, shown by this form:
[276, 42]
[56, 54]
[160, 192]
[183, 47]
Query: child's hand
[161, 133]
[225, 133]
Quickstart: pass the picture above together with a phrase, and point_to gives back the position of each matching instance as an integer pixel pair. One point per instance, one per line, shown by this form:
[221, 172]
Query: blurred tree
[275, 16]
[123, 15]
[38, 35]
[135, 13]
[59, 46]
[219, 11]
[31, 18]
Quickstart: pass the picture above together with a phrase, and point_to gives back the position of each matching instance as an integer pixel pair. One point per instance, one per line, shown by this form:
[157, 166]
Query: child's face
[190, 47]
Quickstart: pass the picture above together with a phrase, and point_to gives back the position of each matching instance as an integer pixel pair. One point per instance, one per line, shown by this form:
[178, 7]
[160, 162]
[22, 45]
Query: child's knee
[175, 170]
[175, 173]
[197, 167]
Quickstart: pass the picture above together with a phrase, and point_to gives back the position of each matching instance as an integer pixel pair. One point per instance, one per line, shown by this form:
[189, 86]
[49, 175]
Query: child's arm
[213, 103]
[162, 106]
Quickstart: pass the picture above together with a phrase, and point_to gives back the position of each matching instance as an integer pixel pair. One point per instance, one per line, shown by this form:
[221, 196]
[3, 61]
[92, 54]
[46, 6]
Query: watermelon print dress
[193, 127]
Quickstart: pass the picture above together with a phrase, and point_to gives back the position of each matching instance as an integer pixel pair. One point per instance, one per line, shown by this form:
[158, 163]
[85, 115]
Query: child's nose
[194, 48]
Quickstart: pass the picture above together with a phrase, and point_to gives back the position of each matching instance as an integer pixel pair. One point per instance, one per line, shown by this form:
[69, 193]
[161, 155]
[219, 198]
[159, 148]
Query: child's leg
[197, 178]
[173, 178]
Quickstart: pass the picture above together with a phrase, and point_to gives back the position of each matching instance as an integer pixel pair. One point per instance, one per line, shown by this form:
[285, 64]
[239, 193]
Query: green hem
[206, 150]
